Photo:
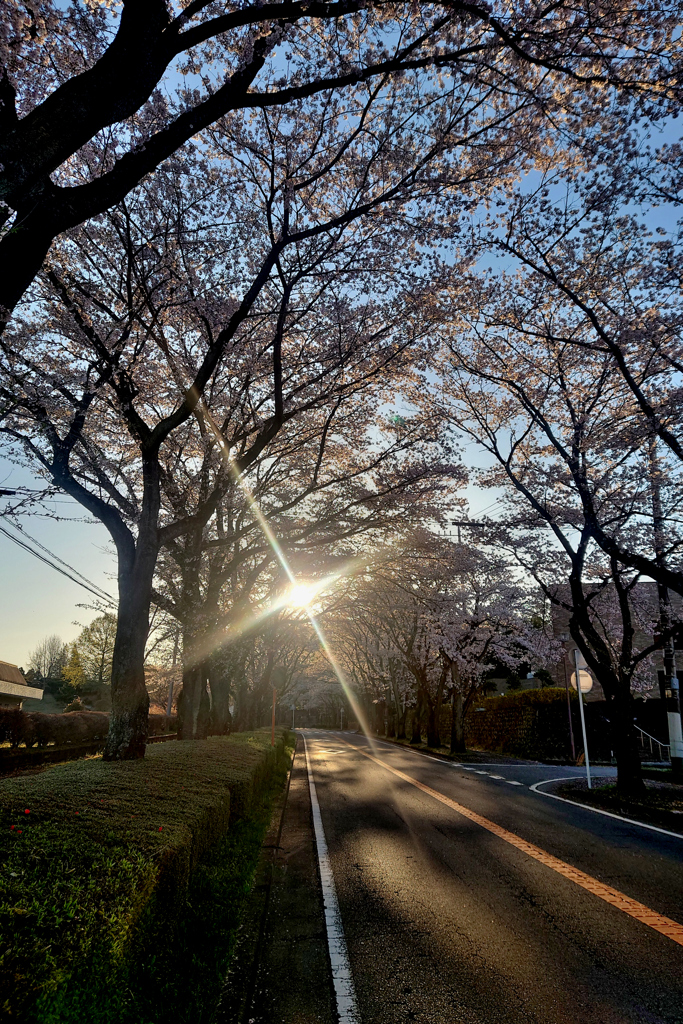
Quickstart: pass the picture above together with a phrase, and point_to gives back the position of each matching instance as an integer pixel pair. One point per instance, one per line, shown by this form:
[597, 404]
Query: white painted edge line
[596, 810]
[344, 991]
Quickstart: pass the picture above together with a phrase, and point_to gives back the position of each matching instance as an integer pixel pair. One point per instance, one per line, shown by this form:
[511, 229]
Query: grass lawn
[122, 883]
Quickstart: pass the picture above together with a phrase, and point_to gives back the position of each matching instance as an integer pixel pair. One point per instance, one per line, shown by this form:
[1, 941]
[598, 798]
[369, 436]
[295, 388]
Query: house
[14, 689]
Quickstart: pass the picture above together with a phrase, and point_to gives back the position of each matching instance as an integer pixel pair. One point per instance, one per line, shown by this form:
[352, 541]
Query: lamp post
[579, 687]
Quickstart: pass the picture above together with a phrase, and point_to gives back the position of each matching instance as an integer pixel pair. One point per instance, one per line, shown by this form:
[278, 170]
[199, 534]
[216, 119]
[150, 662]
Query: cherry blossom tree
[96, 96]
[333, 477]
[205, 318]
[427, 622]
[595, 265]
[561, 430]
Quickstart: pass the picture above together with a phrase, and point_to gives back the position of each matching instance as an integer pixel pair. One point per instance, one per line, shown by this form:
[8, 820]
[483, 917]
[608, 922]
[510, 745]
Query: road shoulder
[282, 971]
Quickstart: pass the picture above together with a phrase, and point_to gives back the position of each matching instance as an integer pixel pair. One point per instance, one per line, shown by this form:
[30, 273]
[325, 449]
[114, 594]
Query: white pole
[583, 719]
[293, 707]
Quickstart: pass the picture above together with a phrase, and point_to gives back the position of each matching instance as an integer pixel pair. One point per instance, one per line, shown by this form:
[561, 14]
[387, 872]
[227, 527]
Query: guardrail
[652, 741]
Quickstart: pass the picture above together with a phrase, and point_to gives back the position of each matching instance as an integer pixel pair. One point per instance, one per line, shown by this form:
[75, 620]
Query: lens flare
[300, 595]
[295, 586]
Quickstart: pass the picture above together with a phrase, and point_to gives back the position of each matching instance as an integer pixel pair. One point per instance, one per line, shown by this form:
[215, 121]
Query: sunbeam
[302, 593]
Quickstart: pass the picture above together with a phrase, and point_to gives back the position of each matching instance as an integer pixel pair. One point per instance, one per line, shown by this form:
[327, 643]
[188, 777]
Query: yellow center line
[617, 899]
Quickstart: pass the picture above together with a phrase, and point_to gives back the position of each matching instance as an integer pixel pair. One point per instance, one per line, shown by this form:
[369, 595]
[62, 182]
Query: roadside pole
[673, 714]
[671, 693]
[272, 724]
[577, 669]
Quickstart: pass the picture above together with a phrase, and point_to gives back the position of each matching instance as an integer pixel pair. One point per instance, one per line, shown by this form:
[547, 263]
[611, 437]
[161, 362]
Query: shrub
[74, 726]
[528, 698]
[98, 856]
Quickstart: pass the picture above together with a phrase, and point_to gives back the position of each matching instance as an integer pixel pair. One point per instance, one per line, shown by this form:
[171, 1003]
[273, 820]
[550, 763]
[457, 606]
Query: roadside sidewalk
[281, 972]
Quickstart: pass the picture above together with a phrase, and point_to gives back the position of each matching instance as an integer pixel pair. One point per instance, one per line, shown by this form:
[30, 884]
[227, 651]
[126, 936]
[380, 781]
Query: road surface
[461, 914]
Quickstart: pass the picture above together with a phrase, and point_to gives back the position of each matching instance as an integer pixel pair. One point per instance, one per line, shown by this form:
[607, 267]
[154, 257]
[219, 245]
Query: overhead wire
[72, 574]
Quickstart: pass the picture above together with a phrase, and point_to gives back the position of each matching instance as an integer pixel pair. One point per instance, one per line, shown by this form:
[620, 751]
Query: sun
[300, 595]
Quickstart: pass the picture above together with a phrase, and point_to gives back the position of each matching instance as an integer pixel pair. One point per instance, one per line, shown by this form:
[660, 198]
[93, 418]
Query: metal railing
[652, 741]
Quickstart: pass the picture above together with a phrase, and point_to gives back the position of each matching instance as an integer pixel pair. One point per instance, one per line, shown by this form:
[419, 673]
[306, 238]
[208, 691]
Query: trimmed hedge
[99, 858]
[35, 727]
[529, 698]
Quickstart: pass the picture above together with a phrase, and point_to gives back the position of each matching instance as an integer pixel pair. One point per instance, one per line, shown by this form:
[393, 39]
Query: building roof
[11, 674]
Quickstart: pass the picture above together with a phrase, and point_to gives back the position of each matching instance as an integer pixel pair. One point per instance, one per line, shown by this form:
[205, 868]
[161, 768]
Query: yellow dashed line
[617, 899]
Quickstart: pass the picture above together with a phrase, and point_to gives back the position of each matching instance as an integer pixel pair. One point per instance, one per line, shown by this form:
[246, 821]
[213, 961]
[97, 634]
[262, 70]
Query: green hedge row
[100, 859]
[528, 698]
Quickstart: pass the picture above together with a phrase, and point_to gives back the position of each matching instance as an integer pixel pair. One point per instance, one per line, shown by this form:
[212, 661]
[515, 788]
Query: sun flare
[300, 595]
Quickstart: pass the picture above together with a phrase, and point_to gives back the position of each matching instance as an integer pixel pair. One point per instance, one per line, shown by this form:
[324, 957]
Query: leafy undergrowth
[119, 877]
[661, 805]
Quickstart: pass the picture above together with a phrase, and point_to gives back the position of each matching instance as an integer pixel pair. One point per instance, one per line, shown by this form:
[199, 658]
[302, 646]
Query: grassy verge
[122, 885]
[661, 805]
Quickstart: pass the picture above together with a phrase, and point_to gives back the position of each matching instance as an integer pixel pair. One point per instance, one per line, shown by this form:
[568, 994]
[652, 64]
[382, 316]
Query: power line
[34, 540]
[82, 582]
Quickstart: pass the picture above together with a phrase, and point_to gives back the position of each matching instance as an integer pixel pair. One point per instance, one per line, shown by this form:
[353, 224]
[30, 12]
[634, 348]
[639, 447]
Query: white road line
[345, 994]
[596, 810]
[512, 782]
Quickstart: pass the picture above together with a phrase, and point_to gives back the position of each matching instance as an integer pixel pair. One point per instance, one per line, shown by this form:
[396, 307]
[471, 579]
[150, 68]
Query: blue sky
[35, 600]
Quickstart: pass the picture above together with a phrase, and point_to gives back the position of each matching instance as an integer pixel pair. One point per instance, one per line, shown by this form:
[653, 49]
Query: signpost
[583, 682]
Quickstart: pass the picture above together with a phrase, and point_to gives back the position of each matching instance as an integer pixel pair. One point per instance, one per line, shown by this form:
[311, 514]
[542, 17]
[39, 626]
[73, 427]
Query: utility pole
[671, 695]
[272, 724]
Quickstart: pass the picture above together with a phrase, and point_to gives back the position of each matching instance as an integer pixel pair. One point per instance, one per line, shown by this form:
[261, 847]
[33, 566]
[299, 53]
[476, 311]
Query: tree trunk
[128, 721]
[194, 705]
[629, 769]
[416, 731]
[201, 730]
[188, 702]
[220, 723]
[129, 699]
[433, 732]
[457, 724]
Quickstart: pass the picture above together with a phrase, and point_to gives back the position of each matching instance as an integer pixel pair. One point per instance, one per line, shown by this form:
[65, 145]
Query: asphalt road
[448, 922]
